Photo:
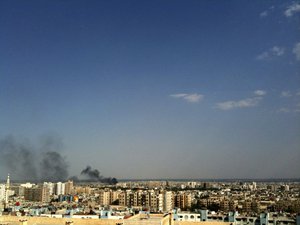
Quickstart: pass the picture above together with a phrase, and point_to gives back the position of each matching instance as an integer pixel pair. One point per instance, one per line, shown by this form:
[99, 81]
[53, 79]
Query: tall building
[122, 198]
[7, 186]
[50, 187]
[153, 201]
[254, 185]
[137, 198]
[183, 200]
[166, 202]
[115, 196]
[37, 194]
[105, 197]
[60, 188]
[2, 192]
[69, 187]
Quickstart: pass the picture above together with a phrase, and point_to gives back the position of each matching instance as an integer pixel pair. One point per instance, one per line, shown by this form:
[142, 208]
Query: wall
[55, 221]
[13, 220]
[200, 223]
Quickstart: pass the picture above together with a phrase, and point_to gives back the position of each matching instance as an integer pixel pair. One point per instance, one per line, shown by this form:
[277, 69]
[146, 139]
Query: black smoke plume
[43, 162]
[53, 167]
[18, 157]
[94, 176]
[27, 162]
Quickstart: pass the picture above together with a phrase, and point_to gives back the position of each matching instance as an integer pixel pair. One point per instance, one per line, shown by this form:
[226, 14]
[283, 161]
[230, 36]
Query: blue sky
[156, 89]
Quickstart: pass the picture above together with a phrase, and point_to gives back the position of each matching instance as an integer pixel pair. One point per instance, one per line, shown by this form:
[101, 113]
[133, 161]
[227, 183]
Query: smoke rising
[43, 162]
[27, 162]
[94, 175]
[53, 167]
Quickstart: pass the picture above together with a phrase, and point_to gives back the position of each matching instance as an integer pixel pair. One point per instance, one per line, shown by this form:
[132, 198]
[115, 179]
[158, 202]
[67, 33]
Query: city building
[38, 194]
[60, 188]
[69, 187]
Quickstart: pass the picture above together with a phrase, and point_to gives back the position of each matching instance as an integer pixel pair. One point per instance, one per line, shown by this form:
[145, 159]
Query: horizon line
[168, 179]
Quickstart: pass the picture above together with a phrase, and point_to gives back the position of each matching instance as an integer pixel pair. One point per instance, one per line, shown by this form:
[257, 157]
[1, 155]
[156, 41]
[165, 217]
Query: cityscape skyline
[149, 202]
[150, 89]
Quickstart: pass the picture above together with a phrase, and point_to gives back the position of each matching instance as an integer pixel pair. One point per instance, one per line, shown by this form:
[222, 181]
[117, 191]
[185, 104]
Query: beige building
[38, 194]
[227, 205]
[105, 197]
[153, 201]
[82, 190]
[69, 187]
[183, 200]
[122, 198]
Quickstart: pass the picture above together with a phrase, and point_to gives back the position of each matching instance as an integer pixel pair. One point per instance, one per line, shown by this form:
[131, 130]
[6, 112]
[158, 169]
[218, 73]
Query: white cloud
[244, 103]
[298, 93]
[260, 92]
[292, 9]
[267, 12]
[295, 109]
[286, 94]
[264, 14]
[278, 51]
[178, 95]
[193, 98]
[263, 56]
[284, 110]
[296, 51]
[275, 51]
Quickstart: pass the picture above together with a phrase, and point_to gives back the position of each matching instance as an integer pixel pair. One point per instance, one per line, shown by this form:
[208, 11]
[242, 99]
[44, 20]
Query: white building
[60, 188]
[27, 185]
[2, 192]
[50, 187]
[165, 199]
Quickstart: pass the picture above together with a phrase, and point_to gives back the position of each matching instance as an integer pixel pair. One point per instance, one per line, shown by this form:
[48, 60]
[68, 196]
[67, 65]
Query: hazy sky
[156, 89]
